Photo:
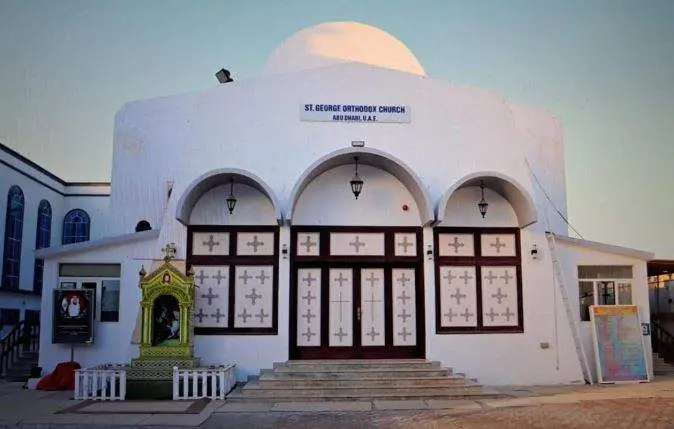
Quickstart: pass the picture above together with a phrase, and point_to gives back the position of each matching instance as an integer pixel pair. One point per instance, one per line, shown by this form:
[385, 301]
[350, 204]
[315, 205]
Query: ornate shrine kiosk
[167, 329]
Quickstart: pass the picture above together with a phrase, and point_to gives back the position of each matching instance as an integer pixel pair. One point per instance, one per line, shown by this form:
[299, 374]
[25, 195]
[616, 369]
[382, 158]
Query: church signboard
[361, 112]
[618, 344]
[73, 318]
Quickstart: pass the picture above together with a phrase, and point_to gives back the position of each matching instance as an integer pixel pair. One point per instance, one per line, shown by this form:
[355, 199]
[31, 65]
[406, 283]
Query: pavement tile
[174, 419]
[245, 407]
[146, 407]
[452, 404]
[323, 406]
[400, 405]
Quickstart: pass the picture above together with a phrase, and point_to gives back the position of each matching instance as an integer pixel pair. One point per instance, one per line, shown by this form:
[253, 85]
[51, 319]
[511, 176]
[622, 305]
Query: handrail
[23, 338]
[663, 341]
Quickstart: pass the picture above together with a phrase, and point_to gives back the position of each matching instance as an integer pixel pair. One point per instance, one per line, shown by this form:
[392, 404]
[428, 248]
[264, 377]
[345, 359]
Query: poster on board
[618, 343]
[73, 316]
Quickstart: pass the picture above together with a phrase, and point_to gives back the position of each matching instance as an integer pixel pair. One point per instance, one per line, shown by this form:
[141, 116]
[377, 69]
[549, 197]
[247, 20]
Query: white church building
[344, 205]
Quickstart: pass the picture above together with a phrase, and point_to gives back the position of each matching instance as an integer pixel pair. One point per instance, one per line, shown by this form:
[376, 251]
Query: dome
[342, 42]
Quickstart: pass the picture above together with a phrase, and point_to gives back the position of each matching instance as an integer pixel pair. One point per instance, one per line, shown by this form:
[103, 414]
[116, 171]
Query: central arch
[372, 157]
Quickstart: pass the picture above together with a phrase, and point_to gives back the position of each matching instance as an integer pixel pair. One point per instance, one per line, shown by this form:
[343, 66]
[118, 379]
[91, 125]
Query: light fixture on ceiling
[231, 199]
[356, 182]
[482, 205]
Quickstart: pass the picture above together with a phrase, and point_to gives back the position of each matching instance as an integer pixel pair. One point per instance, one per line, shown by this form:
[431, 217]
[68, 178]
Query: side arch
[375, 158]
[211, 179]
[507, 187]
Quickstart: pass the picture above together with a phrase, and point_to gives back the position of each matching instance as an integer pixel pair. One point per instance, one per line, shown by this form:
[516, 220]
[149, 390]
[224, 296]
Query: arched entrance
[356, 283]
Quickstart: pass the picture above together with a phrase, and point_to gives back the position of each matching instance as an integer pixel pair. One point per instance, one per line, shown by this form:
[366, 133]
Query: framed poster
[618, 343]
[73, 316]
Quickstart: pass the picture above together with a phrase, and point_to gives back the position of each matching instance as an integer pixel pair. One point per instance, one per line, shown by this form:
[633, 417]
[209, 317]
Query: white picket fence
[213, 382]
[102, 382]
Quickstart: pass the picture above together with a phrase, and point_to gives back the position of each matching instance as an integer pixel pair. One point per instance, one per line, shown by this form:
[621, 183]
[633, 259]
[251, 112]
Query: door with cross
[351, 305]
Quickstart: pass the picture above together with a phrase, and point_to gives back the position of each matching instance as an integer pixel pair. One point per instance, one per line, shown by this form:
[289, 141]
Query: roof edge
[603, 247]
[68, 249]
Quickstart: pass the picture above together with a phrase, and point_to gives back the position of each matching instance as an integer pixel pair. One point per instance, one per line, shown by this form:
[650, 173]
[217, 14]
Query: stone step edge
[341, 370]
[432, 378]
[258, 388]
[373, 397]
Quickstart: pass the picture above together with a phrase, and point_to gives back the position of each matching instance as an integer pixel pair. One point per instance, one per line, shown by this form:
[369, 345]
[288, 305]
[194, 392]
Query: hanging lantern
[231, 199]
[483, 204]
[356, 182]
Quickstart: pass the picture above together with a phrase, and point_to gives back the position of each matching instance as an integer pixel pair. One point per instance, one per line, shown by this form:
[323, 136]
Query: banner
[618, 343]
[73, 318]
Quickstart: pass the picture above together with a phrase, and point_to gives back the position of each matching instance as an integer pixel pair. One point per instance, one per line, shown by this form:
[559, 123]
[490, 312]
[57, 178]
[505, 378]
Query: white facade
[423, 170]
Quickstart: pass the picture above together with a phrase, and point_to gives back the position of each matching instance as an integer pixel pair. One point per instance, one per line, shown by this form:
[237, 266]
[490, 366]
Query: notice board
[618, 343]
[73, 318]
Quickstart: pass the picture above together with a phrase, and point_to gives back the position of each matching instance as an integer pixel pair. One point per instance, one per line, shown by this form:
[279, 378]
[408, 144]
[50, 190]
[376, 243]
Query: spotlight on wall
[356, 183]
[429, 252]
[224, 76]
[358, 143]
[231, 199]
[284, 251]
[483, 204]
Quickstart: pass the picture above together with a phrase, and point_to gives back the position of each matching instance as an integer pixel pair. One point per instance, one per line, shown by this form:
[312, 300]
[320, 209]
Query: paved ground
[641, 406]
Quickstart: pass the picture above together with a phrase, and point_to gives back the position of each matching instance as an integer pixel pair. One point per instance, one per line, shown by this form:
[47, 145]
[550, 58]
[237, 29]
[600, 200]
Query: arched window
[13, 233]
[75, 226]
[42, 240]
[143, 225]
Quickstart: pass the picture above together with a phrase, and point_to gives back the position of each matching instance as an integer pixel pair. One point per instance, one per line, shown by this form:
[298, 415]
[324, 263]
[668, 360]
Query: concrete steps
[660, 367]
[20, 370]
[357, 380]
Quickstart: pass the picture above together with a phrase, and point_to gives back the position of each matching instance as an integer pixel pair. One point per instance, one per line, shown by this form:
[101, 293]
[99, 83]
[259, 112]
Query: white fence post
[100, 383]
[212, 383]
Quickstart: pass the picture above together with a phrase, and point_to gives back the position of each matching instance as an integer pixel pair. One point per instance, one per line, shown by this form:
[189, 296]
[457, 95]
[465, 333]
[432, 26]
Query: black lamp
[356, 182]
[482, 205]
[231, 199]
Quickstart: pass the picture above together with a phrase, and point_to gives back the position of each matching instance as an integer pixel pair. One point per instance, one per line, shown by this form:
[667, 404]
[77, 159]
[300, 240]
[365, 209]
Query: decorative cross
[456, 244]
[491, 314]
[357, 243]
[341, 334]
[211, 243]
[309, 297]
[219, 315]
[340, 301]
[210, 295]
[403, 279]
[499, 295]
[449, 277]
[405, 244]
[497, 244]
[309, 334]
[308, 244]
[372, 279]
[309, 316]
[403, 297]
[491, 277]
[245, 277]
[450, 314]
[253, 296]
[465, 277]
[308, 279]
[508, 314]
[372, 334]
[201, 277]
[507, 277]
[255, 244]
[219, 277]
[404, 315]
[466, 314]
[200, 315]
[245, 315]
[341, 279]
[262, 277]
[458, 296]
[261, 315]
[169, 252]
[404, 333]
[372, 301]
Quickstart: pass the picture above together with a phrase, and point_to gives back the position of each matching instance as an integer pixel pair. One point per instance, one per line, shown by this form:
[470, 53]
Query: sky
[605, 68]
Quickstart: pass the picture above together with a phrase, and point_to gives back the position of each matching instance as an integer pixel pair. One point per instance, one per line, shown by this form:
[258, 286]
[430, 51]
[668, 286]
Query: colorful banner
[618, 343]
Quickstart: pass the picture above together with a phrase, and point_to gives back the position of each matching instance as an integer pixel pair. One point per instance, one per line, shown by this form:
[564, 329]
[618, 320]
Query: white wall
[252, 207]
[462, 209]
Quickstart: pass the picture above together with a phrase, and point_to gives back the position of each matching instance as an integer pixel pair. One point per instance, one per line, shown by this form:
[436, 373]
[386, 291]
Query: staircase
[660, 367]
[20, 370]
[358, 380]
